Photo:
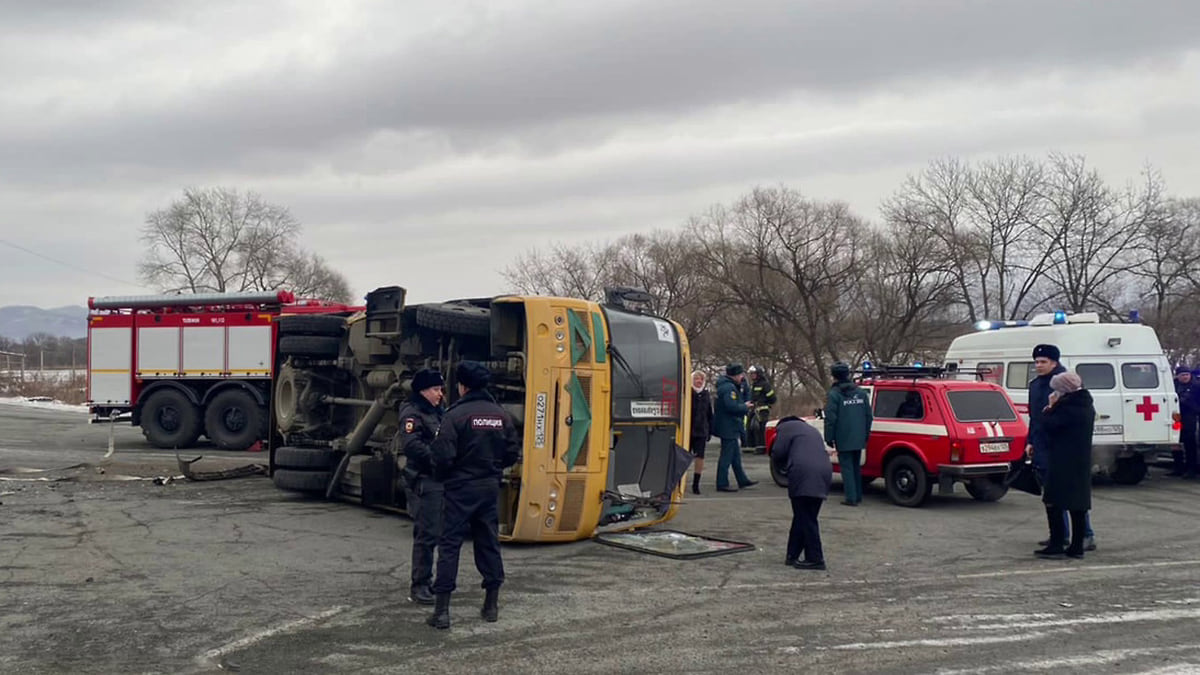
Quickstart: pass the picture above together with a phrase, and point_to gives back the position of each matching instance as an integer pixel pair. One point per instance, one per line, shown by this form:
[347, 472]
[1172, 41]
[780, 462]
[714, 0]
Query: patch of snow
[42, 403]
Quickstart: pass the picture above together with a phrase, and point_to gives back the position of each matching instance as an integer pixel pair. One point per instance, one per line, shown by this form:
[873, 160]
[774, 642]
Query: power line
[77, 268]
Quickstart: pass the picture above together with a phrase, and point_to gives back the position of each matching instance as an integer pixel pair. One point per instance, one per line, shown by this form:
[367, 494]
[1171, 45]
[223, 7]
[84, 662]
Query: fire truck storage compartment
[109, 355]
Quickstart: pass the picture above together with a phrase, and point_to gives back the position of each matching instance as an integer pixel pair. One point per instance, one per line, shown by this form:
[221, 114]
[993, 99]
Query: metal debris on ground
[185, 467]
[673, 544]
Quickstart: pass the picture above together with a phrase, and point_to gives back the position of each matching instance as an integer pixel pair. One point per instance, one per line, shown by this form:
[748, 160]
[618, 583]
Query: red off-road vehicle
[930, 429]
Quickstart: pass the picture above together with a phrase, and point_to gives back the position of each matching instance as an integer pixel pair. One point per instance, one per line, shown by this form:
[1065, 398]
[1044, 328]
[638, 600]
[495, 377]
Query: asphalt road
[99, 574]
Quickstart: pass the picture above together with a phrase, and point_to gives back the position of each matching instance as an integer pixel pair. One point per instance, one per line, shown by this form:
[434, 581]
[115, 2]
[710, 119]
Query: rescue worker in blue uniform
[420, 418]
[477, 440]
[1046, 364]
[1188, 390]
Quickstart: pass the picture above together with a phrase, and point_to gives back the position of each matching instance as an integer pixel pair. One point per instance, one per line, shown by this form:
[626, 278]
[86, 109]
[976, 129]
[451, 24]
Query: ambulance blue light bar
[997, 325]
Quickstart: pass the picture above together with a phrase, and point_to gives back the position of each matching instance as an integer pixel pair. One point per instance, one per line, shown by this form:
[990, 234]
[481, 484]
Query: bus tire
[233, 420]
[309, 459]
[458, 319]
[907, 483]
[312, 346]
[312, 324]
[301, 481]
[1129, 470]
[987, 489]
[170, 419]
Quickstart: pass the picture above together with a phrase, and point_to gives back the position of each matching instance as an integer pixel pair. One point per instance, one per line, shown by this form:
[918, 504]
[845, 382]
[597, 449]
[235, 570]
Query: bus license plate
[993, 447]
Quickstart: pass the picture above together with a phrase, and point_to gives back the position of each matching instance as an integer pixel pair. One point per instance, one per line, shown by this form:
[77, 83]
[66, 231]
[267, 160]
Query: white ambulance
[1121, 364]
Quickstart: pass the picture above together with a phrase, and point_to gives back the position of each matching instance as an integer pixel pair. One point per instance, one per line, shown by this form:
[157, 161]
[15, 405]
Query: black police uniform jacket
[1189, 399]
[419, 424]
[476, 441]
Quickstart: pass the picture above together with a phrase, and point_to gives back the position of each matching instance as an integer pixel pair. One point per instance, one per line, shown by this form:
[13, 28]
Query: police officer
[762, 397]
[420, 418]
[476, 441]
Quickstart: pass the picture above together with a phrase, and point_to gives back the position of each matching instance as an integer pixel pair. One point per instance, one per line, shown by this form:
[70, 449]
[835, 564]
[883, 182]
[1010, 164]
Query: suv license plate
[993, 447]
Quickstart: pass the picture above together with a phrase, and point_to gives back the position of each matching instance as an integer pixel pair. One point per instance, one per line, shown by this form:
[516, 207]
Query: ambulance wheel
[453, 318]
[301, 481]
[314, 346]
[312, 324]
[233, 420]
[320, 459]
[1129, 470]
[170, 420]
[987, 489]
[907, 482]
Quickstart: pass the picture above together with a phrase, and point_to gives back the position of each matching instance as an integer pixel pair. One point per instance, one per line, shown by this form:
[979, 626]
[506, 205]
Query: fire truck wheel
[170, 420]
[778, 474]
[451, 318]
[301, 481]
[309, 459]
[315, 346]
[234, 420]
[312, 324]
[907, 482]
[987, 489]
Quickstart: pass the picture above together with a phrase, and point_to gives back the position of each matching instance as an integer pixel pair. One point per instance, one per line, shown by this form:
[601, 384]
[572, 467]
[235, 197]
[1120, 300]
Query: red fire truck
[186, 365]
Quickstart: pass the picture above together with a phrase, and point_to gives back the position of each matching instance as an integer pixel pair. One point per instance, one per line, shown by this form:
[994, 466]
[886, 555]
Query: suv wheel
[987, 489]
[907, 482]
[1129, 470]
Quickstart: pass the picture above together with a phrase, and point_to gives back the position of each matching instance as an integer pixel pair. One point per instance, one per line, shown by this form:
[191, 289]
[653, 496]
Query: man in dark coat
[419, 419]
[702, 420]
[1068, 425]
[476, 442]
[848, 421]
[1189, 412]
[800, 451]
[1046, 364]
[728, 425]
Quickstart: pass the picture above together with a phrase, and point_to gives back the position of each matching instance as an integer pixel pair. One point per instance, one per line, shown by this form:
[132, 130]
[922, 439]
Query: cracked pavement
[103, 575]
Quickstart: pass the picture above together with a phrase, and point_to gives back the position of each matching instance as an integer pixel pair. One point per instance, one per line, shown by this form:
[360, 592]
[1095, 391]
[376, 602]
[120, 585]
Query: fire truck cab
[182, 366]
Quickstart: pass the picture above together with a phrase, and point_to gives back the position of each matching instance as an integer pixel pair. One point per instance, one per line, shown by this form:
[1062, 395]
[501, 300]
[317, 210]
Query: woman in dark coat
[1068, 422]
[702, 418]
[799, 450]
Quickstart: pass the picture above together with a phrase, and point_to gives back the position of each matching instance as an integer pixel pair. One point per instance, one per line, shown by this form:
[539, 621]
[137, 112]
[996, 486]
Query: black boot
[1054, 549]
[421, 595]
[695, 483]
[491, 606]
[440, 618]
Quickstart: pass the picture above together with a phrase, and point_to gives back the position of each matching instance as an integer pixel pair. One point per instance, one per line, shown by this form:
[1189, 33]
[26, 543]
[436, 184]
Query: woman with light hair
[702, 418]
[1068, 422]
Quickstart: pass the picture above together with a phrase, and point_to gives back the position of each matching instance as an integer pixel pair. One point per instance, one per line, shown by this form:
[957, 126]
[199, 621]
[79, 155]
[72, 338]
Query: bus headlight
[552, 506]
[560, 348]
[549, 521]
[553, 493]
[559, 335]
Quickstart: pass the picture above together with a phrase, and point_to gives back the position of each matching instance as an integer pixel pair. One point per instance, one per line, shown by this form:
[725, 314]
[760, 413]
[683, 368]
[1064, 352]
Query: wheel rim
[905, 481]
[168, 418]
[234, 419]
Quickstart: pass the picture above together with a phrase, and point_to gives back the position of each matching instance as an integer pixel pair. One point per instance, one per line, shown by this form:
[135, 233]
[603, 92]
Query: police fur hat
[840, 370]
[1047, 352]
[734, 369]
[473, 375]
[427, 378]
[1181, 369]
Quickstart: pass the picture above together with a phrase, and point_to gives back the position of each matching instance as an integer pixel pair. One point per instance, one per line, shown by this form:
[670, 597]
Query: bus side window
[1019, 375]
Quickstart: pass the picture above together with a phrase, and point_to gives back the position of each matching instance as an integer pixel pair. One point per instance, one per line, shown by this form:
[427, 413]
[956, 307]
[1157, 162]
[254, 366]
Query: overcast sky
[427, 144]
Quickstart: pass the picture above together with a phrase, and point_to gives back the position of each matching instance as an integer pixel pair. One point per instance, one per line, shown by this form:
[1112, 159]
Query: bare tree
[221, 240]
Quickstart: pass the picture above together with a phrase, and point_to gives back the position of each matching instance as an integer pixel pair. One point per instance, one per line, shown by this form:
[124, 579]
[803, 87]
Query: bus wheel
[170, 420]
[987, 489]
[234, 420]
[907, 482]
[308, 459]
[452, 318]
[312, 324]
[1129, 470]
[301, 481]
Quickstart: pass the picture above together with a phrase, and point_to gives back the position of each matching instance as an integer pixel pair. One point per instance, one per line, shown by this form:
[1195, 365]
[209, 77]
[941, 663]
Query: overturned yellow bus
[596, 389]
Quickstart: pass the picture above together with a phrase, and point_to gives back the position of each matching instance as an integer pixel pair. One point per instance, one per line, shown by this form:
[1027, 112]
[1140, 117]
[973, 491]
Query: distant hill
[18, 322]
